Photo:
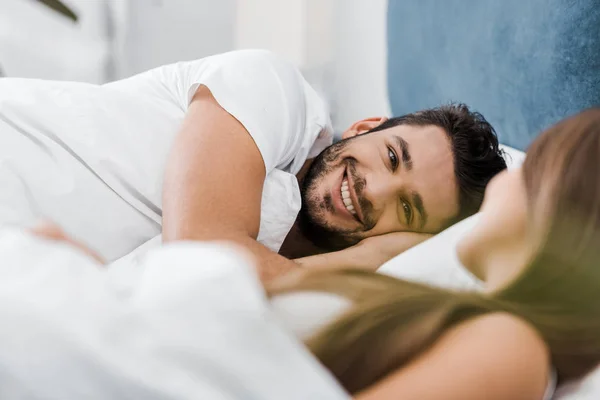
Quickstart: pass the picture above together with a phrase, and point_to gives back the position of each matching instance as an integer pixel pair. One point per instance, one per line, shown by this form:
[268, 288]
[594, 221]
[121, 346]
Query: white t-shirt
[91, 158]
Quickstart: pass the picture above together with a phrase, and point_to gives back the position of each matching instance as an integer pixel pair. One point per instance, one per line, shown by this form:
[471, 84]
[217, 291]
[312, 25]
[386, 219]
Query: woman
[537, 247]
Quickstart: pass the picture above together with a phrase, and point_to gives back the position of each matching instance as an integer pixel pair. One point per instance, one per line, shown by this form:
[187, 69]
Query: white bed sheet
[191, 323]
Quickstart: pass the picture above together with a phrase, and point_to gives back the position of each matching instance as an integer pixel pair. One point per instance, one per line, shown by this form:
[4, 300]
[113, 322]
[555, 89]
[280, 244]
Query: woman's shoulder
[509, 345]
[500, 332]
[493, 356]
[500, 323]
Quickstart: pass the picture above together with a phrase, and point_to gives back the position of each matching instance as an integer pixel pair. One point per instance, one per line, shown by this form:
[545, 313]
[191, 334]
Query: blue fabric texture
[524, 64]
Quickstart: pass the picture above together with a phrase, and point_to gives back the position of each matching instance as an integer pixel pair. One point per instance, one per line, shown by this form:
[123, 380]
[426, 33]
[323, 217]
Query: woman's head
[538, 240]
[550, 208]
[561, 283]
[502, 242]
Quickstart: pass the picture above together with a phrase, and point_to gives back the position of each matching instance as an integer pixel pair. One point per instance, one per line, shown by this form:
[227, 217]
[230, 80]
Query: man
[418, 173]
[188, 148]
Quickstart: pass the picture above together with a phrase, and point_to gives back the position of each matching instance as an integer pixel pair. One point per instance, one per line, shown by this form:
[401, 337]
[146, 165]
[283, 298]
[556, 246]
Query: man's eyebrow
[405, 150]
[418, 203]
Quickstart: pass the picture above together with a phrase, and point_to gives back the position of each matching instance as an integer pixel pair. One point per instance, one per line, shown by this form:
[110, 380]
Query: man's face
[394, 180]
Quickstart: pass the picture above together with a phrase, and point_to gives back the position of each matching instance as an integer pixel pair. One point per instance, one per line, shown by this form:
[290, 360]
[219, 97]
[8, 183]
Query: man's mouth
[350, 198]
[345, 191]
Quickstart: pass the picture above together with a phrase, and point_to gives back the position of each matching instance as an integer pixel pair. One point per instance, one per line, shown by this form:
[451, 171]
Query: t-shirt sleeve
[261, 90]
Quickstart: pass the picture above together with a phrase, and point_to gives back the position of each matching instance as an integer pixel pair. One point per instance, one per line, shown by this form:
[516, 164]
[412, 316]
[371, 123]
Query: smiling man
[418, 173]
[193, 150]
[370, 186]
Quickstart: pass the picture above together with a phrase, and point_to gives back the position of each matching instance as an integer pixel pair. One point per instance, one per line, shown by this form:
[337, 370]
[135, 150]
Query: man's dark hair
[476, 152]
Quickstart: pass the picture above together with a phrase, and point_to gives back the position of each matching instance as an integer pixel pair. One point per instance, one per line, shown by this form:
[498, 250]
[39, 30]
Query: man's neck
[303, 171]
[296, 244]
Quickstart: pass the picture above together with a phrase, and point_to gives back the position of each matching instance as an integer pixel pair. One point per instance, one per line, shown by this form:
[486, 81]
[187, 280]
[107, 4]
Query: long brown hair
[392, 321]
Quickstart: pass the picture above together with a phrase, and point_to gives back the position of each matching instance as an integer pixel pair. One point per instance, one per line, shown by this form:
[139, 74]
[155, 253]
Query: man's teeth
[346, 197]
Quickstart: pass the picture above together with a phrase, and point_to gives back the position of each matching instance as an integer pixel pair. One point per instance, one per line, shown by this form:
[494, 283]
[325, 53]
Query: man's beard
[311, 219]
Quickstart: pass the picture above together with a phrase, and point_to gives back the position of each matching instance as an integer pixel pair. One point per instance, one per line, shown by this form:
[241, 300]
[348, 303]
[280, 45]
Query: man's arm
[213, 184]
[369, 254]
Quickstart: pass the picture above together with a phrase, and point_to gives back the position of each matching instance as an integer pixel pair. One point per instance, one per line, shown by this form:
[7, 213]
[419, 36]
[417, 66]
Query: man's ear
[362, 126]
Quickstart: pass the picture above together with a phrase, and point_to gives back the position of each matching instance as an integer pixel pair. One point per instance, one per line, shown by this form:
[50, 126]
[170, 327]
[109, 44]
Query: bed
[501, 58]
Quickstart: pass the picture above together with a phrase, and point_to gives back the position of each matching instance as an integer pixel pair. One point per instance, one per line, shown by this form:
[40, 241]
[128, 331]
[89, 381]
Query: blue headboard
[524, 64]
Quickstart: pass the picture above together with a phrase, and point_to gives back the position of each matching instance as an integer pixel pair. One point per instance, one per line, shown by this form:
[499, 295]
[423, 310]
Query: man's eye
[393, 158]
[407, 212]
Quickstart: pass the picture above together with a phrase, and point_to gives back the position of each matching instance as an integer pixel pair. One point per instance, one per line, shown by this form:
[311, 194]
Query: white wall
[279, 26]
[35, 42]
[339, 45]
[150, 33]
[359, 77]
[112, 39]
[299, 30]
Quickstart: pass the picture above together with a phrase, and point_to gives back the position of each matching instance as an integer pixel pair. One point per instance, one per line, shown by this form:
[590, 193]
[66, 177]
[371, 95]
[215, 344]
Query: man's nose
[380, 189]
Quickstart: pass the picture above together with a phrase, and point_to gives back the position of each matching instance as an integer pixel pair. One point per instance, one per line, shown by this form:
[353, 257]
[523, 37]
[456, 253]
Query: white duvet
[191, 323]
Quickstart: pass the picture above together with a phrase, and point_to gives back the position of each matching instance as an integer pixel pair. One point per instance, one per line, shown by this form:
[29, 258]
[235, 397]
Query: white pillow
[587, 388]
[434, 261]
[514, 158]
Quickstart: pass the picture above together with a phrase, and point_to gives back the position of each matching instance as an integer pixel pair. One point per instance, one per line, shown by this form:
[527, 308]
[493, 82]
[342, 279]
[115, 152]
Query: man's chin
[323, 236]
